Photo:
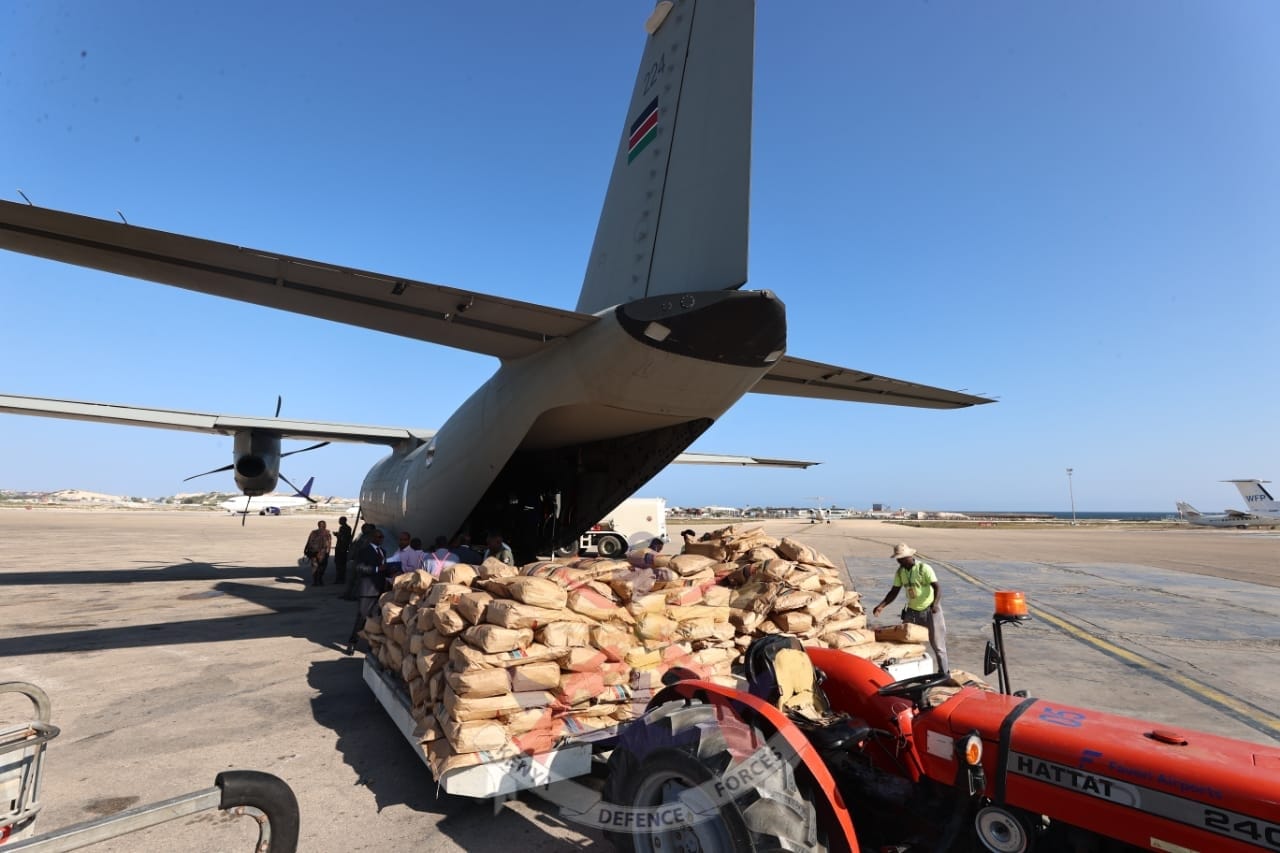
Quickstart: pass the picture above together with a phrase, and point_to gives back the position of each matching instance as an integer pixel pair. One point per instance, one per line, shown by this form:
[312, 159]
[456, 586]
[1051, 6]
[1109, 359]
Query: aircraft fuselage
[557, 438]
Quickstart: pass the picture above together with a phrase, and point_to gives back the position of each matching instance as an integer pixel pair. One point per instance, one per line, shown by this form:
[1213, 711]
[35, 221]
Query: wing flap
[112, 413]
[796, 377]
[730, 459]
[442, 315]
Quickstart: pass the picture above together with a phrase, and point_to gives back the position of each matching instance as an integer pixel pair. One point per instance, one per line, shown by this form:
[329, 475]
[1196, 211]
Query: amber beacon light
[1011, 605]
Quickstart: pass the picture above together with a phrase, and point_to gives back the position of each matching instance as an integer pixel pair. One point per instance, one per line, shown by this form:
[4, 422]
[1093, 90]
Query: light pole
[1071, 490]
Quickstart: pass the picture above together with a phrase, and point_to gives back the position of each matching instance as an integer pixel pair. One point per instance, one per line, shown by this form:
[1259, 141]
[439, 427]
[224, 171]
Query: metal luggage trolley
[265, 798]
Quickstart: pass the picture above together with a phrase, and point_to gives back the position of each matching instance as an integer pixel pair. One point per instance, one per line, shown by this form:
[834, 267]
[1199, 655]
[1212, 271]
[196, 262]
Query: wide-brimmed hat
[902, 549]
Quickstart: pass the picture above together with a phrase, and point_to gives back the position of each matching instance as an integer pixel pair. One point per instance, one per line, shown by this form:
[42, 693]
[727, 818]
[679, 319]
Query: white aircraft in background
[1230, 518]
[588, 404]
[1258, 499]
[269, 504]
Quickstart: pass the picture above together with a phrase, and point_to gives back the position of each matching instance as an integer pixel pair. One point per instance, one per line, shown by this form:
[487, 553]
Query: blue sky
[1073, 206]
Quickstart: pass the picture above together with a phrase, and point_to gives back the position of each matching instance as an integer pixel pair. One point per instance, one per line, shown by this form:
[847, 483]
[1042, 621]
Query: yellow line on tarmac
[1266, 722]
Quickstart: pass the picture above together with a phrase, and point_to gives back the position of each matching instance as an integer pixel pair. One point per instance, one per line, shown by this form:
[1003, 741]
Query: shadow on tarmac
[322, 617]
[381, 760]
[193, 571]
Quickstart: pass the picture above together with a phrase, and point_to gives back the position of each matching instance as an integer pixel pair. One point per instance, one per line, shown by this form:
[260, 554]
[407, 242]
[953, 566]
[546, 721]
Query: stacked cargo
[500, 661]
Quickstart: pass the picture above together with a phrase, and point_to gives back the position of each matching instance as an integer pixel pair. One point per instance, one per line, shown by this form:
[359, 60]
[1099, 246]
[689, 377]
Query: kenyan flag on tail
[643, 130]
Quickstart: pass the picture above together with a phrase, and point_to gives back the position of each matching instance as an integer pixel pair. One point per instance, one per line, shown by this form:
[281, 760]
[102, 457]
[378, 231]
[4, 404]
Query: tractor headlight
[971, 750]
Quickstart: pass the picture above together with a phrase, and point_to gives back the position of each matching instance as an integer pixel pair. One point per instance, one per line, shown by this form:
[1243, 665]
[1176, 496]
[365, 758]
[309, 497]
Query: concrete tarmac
[175, 645]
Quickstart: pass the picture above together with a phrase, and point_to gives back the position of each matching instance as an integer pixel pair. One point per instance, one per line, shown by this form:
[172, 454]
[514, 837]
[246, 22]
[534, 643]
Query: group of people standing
[364, 566]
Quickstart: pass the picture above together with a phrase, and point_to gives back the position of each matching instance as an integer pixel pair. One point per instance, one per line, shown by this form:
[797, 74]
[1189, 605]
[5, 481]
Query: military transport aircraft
[587, 404]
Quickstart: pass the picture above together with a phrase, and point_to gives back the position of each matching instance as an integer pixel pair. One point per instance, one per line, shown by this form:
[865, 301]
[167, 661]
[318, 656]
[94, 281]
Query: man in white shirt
[408, 558]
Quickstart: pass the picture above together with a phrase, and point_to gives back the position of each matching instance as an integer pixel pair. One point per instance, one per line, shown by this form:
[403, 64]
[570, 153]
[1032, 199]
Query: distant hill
[183, 500]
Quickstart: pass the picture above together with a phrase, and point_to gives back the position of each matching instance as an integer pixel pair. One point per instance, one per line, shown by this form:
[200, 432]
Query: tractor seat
[780, 671]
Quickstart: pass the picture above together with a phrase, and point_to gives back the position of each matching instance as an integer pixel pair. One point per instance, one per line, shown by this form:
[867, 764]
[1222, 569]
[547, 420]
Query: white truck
[632, 523]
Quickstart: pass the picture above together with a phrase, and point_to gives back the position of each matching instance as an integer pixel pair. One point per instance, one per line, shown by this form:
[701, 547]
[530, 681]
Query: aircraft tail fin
[1187, 510]
[675, 214]
[305, 491]
[1256, 496]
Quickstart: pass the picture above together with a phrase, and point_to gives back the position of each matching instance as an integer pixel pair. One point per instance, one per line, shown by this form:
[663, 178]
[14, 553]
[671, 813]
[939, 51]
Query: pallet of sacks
[499, 661]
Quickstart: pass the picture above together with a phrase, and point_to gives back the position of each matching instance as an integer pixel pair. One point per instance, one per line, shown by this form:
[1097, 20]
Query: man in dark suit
[370, 578]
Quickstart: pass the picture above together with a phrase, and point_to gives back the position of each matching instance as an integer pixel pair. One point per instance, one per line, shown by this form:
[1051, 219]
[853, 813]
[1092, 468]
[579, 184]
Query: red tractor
[826, 752]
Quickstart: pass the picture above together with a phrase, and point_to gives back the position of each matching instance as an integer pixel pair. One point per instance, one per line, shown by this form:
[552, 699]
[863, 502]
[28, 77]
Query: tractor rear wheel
[668, 785]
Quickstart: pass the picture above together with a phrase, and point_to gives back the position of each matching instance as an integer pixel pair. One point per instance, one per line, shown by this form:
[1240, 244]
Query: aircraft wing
[796, 377]
[728, 459]
[1235, 513]
[111, 413]
[413, 309]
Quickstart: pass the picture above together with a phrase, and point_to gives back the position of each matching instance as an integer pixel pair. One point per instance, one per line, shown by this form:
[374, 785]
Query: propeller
[291, 452]
[214, 471]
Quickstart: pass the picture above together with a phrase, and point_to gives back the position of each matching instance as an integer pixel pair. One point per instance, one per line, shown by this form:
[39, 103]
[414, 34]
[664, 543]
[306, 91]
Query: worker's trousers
[937, 625]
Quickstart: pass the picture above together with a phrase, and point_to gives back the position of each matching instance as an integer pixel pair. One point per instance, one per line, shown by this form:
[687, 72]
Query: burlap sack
[639, 657]
[492, 638]
[465, 708]
[442, 759]
[444, 592]
[391, 614]
[688, 564]
[846, 638]
[434, 641]
[514, 614]
[544, 675]
[746, 621]
[698, 611]
[539, 592]
[577, 687]
[458, 573]
[472, 606]
[653, 626]
[902, 633]
[590, 601]
[478, 683]
[492, 567]
[614, 673]
[792, 621]
[429, 663]
[448, 620]
[464, 656]
[526, 720]
[801, 553]
[795, 599]
[614, 641]
[565, 634]
[715, 550]
[475, 735]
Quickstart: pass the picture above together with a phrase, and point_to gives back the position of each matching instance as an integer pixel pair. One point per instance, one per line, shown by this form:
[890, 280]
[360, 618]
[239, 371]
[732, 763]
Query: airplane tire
[671, 762]
[611, 546]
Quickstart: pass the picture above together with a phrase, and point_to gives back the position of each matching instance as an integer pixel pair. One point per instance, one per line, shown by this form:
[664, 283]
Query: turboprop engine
[257, 461]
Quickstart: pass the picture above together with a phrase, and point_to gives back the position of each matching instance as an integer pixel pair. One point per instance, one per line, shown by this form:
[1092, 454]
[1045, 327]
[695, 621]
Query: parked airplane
[588, 404]
[1257, 498]
[269, 504]
[1230, 518]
